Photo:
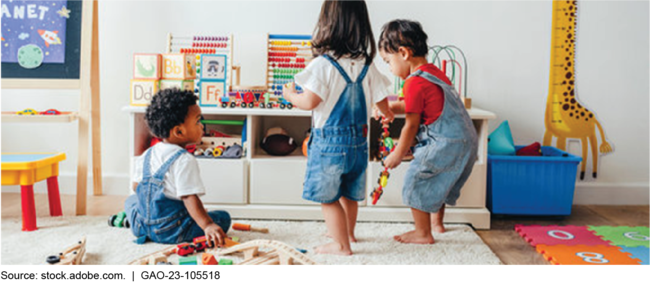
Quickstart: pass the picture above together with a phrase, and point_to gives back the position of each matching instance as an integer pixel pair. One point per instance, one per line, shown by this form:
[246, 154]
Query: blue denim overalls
[444, 156]
[161, 219]
[338, 152]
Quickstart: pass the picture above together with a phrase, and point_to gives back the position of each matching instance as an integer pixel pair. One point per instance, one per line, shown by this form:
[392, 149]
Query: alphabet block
[178, 67]
[142, 91]
[213, 67]
[210, 92]
[146, 66]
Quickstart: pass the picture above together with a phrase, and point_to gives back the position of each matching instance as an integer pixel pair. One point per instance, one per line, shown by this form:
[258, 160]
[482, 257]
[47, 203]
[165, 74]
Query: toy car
[184, 249]
[51, 112]
[119, 220]
[200, 243]
[249, 98]
[27, 111]
[285, 104]
[224, 100]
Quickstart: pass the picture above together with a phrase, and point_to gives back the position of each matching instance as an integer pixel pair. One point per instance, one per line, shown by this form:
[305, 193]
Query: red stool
[25, 169]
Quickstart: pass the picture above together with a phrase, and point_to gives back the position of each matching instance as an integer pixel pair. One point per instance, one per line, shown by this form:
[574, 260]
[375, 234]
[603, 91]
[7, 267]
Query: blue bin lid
[549, 154]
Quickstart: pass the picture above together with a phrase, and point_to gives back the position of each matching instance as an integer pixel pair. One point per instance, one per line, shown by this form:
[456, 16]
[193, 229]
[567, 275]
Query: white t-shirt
[323, 79]
[183, 177]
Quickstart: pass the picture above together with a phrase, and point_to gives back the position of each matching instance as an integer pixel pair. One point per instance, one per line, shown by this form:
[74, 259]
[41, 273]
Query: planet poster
[34, 32]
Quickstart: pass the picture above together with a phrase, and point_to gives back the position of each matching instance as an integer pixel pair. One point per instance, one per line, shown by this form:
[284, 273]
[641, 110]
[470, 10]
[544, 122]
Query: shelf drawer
[471, 195]
[225, 180]
[278, 180]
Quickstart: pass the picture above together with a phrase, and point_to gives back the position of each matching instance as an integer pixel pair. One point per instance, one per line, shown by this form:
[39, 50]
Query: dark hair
[344, 27]
[168, 109]
[404, 33]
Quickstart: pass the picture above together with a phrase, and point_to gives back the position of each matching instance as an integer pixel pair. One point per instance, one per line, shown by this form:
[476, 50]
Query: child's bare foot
[352, 238]
[415, 237]
[333, 248]
[437, 220]
[438, 228]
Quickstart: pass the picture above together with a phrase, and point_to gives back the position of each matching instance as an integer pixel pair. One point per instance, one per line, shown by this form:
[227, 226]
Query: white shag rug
[110, 245]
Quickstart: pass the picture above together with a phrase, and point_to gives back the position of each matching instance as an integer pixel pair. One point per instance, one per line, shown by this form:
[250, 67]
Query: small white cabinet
[224, 180]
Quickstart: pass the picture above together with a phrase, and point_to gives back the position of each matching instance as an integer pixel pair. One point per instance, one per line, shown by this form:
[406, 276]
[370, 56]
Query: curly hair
[168, 109]
[404, 33]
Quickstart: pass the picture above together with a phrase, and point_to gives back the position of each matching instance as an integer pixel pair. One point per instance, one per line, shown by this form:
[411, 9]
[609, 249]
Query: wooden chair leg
[53, 196]
[28, 207]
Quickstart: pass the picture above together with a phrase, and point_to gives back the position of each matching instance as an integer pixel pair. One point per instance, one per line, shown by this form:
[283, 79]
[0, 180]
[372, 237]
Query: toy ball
[278, 145]
[277, 142]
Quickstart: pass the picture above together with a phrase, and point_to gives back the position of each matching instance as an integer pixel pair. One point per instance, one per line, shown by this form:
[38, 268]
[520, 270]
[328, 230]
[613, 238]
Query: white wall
[507, 44]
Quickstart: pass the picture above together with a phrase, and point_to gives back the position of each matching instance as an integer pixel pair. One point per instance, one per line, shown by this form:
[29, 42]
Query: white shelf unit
[262, 186]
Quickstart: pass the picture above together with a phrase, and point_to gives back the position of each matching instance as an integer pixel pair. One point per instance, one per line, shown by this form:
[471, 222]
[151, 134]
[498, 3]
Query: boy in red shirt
[446, 138]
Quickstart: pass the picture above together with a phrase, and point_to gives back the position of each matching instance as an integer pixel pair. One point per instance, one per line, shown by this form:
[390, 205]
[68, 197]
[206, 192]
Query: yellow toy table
[25, 169]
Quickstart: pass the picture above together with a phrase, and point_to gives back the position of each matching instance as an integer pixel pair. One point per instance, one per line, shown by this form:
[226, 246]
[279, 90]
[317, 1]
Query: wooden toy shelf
[64, 117]
[270, 187]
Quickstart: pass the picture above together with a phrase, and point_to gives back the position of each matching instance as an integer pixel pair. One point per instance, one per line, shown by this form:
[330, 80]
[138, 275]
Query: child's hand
[214, 234]
[392, 160]
[288, 90]
[376, 113]
[388, 117]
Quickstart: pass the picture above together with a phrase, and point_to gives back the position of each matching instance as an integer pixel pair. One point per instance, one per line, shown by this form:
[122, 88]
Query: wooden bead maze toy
[457, 72]
[287, 55]
[386, 146]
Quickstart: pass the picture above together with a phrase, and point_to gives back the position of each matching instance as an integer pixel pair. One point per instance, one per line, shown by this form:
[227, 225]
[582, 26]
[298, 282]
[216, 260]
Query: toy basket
[532, 185]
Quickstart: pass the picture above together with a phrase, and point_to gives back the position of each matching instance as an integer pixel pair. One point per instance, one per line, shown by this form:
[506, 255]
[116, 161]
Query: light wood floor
[502, 238]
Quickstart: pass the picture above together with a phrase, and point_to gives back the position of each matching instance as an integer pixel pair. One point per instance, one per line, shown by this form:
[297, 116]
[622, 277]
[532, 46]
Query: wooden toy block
[229, 243]
[225, 261]
[188, 262]
[208, 259]
[142, 91]
[157, 258]
[180, 84]
[236, 239]
[178, 66]
[211, 92]
[213, 67]
[146, 66]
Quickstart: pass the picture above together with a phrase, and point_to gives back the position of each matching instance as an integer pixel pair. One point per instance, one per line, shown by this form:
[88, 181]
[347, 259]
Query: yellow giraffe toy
[565, 117]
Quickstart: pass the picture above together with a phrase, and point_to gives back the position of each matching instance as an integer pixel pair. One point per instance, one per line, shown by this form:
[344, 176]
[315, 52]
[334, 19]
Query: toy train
[253, 100]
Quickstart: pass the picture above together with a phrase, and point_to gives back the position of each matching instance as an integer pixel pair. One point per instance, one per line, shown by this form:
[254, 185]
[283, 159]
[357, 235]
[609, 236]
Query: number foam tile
[550, 235]
[586, 255]
[641, 253]
[638, 236]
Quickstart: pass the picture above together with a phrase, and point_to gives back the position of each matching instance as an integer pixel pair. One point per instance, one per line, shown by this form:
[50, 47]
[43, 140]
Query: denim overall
[161, 219]
[444, 155]
[338, 152]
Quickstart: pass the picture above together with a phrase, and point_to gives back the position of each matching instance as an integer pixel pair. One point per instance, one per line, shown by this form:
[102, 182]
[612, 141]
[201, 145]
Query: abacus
[287, 55]
[205, 44]
[386, 146]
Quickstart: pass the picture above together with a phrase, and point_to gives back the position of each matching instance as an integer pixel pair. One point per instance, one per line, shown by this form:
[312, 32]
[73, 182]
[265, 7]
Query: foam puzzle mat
[589, 245]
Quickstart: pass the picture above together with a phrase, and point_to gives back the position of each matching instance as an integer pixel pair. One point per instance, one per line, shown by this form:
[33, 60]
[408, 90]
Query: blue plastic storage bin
[532, 185]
